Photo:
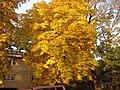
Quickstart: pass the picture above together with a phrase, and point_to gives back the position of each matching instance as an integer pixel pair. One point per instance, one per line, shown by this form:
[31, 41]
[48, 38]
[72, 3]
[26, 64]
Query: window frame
[10, 77]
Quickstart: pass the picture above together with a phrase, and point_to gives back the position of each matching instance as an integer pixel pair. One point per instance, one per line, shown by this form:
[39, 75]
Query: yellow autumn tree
[8, 19]
[63, 41]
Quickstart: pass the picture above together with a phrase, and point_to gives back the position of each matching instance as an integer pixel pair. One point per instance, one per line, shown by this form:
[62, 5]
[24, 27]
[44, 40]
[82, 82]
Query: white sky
[28, 5]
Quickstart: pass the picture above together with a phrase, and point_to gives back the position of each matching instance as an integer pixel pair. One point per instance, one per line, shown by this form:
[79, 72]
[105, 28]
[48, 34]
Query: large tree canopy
[63, 41]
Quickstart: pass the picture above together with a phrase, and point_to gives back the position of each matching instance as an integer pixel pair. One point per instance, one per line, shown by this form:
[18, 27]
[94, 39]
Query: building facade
[20, 75]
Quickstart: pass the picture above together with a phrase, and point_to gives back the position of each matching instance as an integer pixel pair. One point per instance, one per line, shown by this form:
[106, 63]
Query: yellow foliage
[79, 77]
[3, 38]
[63, 36]
[36, 26]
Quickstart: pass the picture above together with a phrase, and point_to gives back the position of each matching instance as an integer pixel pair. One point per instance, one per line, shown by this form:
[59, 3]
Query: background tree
[8, 24]
[63, 41]
[109, 32]
[108, 44]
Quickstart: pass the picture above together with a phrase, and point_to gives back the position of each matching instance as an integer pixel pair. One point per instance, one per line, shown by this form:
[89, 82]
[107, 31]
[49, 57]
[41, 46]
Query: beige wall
[22, 76]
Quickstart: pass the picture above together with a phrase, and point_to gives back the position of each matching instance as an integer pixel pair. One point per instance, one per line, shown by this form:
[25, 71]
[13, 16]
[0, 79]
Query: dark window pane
[49, 89]
[60, 88]
[39, 89]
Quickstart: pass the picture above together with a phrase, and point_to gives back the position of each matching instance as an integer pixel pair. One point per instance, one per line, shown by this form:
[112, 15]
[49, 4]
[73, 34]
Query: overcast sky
[28, 5]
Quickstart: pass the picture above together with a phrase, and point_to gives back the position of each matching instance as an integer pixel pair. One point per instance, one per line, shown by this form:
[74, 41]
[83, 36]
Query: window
[10, 77]
[13, 62]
